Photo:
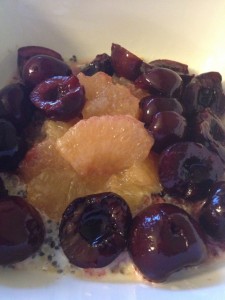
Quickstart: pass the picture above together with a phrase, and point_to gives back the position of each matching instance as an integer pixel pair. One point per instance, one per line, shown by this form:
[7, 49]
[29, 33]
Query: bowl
[187, 31]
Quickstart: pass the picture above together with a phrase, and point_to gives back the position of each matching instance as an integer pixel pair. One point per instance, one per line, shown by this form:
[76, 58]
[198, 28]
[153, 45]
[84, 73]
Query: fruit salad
[114, 166]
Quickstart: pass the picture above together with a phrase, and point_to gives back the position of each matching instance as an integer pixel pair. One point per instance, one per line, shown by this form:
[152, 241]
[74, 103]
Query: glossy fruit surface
[93, 230]
[125, 63]
[167, 128]
[170, 64]
[12, 148]
[15, 105]
[101, 63]
[150, 106]
[212, 214]
[161, 82]
[164, 239]
[21, 230]
[204, 91]
[41, 67]
[210, 131]
[60, 97]
[188, 170]
[25, 53]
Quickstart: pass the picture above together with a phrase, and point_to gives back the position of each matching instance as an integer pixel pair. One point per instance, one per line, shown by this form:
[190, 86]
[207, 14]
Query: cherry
[188, 170]
[3, 190]
[21, 230]
[210, 131]
[212, 213]
[170, 64]
[164, 239]
[150, 106]
[125, 63]
[101, 63]
[15, 105]
[93, 229]
[41, 67]
[12, 147]
[60, 97]
[167, 128]
[25, 53]
[161, 82]
[204, 90]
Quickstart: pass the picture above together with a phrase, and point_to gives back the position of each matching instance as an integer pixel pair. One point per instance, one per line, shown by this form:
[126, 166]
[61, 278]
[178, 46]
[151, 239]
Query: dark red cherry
[170, 64]
[125, 63]
[60, 97]
[212, 214]
[167, 128]
[93, 230]
[41, 67]
[21, 230]
[209, 130]
[25, 53]
[150, 106]
[12, 147]
[3, 190]
[161, 82]
[188, 170]
[15, 105]
[164, 239]
[101, 63]
[204, 91]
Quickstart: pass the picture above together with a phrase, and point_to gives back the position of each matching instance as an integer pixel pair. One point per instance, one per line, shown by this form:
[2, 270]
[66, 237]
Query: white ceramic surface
[190, 31]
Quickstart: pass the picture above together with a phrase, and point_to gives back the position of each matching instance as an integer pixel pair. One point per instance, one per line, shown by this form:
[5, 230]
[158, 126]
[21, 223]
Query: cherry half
[164, 239]
[93, 230]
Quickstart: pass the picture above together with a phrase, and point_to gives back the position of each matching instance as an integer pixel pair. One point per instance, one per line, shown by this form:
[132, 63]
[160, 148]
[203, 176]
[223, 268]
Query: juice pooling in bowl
[114, 158]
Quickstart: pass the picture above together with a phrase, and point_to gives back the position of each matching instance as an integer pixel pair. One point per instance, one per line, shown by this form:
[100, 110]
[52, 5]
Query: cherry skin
[209, 130]
[167, 128]
[12, 147]
[93, 230]
[164, 239]
[150, 106]
[41, 67]
[188, 170]
[21, 230]
[15, 105]
[204, 91]
[125, 63]
[161, 82]
[101, 63]
[212, 214]
[25, 53]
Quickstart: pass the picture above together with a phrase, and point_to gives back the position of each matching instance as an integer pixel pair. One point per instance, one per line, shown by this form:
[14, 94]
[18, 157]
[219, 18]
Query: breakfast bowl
[180, 31]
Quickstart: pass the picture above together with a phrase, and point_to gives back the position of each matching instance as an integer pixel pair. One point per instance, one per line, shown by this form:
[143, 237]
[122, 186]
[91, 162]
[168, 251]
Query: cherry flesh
[60, 97]
[93, 230]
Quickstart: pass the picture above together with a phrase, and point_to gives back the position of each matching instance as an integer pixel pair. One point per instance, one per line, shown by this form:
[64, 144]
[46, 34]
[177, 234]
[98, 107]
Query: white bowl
[187, 31]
